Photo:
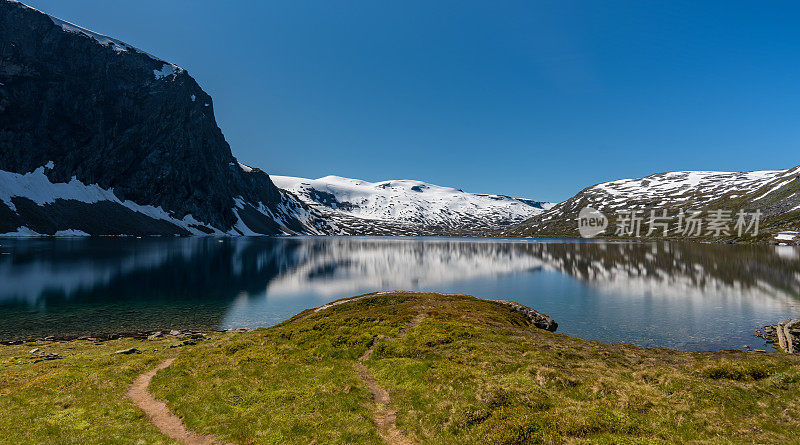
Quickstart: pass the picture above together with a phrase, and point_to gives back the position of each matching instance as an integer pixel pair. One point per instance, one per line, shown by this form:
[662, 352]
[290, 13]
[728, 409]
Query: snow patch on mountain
[37, 187]
[117, 45]
[683, 184]
[21, 232]
[166, 70]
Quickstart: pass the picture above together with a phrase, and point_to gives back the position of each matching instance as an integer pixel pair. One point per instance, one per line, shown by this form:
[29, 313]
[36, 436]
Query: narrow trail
[160, 415]
[385, 418]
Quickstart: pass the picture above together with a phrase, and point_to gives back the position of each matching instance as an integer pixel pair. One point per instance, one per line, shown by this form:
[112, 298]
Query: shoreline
[789, 328]
[735, 241]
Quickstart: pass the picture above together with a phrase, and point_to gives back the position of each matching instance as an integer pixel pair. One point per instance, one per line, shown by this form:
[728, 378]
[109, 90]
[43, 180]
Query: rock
[128, 351]
[47, 357]
[49, 338]
[174, 333]
[535, 318]
[189, 343]
[33, 351]
[155, 335]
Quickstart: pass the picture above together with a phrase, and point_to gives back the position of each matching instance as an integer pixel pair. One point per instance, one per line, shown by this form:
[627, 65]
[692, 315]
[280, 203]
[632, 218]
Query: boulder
[128, 351]
[535, 318]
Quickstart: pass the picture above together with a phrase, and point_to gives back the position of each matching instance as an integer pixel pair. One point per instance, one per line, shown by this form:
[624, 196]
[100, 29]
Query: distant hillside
[407, 207]
[775, 193]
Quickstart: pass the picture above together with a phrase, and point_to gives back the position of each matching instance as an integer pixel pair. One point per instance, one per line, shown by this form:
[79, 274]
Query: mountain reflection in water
[687, 296]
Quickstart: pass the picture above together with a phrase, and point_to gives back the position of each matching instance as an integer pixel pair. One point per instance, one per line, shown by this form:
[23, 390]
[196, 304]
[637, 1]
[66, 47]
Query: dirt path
[158, 412]
[385, 418]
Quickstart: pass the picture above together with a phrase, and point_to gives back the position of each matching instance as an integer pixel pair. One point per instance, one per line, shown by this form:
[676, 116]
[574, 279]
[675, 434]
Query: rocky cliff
[132, 136]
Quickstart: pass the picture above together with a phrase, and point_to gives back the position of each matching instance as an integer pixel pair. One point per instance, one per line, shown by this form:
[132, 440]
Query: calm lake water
[685, 296]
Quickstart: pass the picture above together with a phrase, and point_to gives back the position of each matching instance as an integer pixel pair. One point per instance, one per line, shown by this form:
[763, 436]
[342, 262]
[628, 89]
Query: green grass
[79, 399]
[472, 371]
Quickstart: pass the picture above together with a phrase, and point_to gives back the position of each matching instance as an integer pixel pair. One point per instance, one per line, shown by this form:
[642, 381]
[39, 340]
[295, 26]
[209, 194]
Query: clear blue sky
[532, 98]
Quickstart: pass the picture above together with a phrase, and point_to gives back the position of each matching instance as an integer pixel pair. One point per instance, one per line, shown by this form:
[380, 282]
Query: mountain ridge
[408, 207]
[775, 194]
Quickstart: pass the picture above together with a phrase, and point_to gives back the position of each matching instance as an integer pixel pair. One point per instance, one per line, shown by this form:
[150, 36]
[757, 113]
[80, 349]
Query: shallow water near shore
[677, 295]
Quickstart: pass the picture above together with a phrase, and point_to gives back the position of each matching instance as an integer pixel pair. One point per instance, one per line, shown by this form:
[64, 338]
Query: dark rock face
[103, 115]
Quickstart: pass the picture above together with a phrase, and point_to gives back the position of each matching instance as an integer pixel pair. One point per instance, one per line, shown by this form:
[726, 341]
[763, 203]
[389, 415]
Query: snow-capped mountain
[407, 207]
[775, 193]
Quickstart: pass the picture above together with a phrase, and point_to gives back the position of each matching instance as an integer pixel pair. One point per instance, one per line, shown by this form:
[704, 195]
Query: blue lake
[678, 295]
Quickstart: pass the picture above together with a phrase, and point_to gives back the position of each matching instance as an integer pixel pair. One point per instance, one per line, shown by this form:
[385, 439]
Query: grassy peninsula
[404, 368]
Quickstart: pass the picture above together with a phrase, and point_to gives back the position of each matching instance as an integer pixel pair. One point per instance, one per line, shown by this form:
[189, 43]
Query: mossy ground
[80, 398]
[472, 371]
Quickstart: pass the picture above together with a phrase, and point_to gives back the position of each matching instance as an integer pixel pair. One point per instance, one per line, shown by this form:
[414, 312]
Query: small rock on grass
[128, 351]
[46, 358]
